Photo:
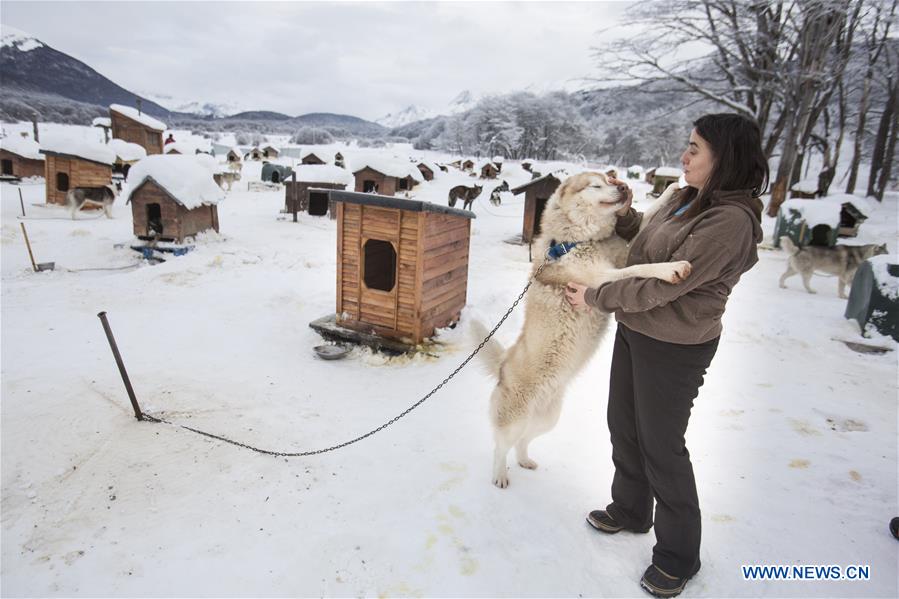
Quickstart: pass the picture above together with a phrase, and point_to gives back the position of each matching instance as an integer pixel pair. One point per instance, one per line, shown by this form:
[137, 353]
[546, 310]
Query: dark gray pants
[651, 391]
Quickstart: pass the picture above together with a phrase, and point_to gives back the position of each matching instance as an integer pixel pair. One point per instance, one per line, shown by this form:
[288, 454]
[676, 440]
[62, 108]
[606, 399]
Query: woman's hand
[574, 292]
[630, 195]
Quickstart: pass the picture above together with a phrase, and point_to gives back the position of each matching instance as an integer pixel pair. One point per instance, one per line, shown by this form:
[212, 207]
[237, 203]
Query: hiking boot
[659, 583]
[603, 522]
[894, 527]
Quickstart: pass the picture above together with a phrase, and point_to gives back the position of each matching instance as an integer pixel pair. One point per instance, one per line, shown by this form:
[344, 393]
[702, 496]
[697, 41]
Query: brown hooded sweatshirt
[720, 244]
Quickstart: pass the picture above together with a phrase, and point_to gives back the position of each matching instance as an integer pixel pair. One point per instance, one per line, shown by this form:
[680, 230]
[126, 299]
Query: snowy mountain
[208, 109]
[32, 68]
[411, 114]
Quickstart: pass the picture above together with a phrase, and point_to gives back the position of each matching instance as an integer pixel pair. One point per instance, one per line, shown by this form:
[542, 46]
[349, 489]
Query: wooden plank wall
[134, 132]
[81, 174]
[444, 270]
[23, 167]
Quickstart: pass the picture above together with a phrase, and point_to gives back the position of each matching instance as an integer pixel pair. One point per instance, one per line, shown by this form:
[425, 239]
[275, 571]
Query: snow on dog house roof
[391, 167]
[77, 147]
[127, 151]
[141, 117]
[102, 121]
[559, 175]
[815, 212]
[184, 178]
[22, 146]
[668, 171]
[321, 173]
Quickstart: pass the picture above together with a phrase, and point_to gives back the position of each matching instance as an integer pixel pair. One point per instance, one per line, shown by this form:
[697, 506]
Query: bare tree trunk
[886, 172]
[880, 141]
[860, 131]
[820, 26]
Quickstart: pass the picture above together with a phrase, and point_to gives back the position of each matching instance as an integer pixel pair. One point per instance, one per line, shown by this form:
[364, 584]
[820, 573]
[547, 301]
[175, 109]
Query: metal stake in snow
[121, 364]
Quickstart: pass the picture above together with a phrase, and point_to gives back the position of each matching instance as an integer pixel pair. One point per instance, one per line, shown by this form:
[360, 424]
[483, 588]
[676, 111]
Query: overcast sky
[365, 59]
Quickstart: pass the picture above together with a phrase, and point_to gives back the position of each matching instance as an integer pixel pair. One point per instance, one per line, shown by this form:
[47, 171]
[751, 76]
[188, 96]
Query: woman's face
[698, 161]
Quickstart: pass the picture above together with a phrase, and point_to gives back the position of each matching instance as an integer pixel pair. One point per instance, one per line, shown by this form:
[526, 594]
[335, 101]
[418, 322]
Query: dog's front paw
[528, 463]
[676, 272]
[501, 481]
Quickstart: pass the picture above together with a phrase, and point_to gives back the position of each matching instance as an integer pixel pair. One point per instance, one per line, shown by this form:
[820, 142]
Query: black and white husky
[94, 196]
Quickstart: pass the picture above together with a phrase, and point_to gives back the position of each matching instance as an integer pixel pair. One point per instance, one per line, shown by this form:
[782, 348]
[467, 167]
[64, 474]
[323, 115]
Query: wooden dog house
[136, 127]
[386, 177]
[173, 197]
[487, 170]
[426, 170]
[71, 163]
[270, 151]
[21, 157]
[311, 158]
[536, 194]
[661, 177]
[126, 155]
[402, 266]
[306, 189]
[233, 155]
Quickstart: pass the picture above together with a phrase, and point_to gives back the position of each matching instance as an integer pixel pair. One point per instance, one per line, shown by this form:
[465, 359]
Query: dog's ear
[572, 185]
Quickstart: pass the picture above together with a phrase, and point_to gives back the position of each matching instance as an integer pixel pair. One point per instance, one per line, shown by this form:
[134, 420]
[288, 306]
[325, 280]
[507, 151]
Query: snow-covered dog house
[820, 221]
[386, 176]
[276, 173]
[270, 151]
[661, 177]
[136, 127]
[126, 155]
[72, 163]
[21, 157]
[253, 154]
[233, 155]
[874, 296]
[402, 266]
[306, 189]
[487, 170]
[311, 158]
[635, 171]
[338, 160]
[173, 197]
[467, 165]
[498, 163]
[536, 194]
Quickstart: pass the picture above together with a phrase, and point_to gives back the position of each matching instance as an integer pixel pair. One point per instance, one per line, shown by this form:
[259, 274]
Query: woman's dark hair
[740, 163]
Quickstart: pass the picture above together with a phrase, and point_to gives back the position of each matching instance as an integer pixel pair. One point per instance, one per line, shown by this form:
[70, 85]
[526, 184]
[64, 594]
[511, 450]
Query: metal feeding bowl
[331, 352]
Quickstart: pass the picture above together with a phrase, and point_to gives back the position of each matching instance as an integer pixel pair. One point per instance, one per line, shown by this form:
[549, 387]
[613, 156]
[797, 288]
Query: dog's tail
[787, 244]
[493, 353]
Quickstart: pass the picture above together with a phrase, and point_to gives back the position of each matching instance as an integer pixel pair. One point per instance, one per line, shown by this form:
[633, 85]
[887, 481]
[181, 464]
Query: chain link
[284, 454]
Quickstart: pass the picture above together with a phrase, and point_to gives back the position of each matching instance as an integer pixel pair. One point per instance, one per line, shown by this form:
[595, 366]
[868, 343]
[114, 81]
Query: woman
[668, 333]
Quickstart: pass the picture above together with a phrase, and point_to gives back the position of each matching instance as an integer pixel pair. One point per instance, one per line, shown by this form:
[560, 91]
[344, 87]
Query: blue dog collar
[557, 250]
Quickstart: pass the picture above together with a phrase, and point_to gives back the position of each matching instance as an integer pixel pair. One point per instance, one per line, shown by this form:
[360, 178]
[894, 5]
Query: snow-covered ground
[793, 436]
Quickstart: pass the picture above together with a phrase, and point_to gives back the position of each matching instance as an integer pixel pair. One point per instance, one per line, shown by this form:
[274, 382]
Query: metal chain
[285, 454]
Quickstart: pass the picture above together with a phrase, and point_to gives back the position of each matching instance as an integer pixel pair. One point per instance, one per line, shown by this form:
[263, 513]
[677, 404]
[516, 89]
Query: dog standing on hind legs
[556, 340]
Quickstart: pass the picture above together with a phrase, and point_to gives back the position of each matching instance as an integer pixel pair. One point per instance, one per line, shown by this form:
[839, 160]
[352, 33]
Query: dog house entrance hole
[538, 213]
[403, 184]
[820, 235]
[379, 265]
[369, 186]
[62, 182]
[7, 167]
[276, 177]
[154, 219]
[318, 203]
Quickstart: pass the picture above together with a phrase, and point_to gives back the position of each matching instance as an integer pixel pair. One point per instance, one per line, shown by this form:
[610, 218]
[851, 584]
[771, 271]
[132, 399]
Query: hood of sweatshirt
[743, 199]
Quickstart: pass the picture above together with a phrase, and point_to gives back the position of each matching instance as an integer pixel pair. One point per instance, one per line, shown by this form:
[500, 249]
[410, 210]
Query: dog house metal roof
[371, 199]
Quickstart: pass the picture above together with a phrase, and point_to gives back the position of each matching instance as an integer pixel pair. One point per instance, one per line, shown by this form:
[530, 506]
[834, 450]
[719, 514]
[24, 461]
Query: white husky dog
[557, 340]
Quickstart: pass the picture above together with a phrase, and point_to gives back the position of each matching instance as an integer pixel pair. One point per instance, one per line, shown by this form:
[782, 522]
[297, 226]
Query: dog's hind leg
[506, 437]
[538, 424]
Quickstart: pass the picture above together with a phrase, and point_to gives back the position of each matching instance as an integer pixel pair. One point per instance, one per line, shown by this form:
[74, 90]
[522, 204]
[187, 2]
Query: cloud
[365, 59]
